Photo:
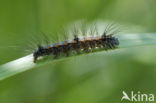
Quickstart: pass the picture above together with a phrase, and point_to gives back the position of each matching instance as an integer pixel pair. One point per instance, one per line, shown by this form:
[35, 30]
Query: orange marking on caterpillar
[66, 43]
[48, 47]
[57, 46]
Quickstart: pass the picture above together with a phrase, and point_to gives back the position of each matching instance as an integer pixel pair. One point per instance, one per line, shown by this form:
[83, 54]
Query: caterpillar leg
[35, 59]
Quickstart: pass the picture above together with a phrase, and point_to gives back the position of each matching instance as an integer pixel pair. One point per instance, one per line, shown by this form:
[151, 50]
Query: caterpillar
[87, 44]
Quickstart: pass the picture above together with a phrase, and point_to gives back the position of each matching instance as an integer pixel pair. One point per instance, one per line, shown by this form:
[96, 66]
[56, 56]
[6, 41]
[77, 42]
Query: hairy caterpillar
[77, 44]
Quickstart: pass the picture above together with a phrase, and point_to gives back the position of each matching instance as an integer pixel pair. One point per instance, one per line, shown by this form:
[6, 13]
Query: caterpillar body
[77, 45]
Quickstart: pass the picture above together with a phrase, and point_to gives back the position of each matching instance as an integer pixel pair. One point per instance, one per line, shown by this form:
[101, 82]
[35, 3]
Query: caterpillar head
[36, 54]
[39, 52]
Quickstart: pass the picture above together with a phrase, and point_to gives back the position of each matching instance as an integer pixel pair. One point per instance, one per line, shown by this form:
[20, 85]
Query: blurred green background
[96, 78]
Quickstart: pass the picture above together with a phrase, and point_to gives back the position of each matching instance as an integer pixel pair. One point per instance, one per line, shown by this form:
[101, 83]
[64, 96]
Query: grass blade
[26, 63]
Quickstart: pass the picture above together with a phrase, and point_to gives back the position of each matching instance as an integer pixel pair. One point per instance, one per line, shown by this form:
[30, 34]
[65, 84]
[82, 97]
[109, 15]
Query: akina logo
[137, 96]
